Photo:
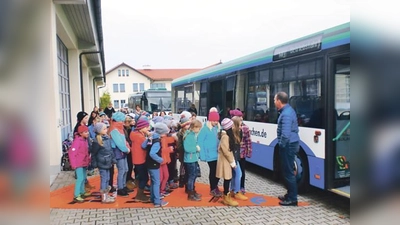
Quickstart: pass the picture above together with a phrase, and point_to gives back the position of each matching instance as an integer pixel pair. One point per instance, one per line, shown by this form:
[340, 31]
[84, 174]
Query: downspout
[94, 89]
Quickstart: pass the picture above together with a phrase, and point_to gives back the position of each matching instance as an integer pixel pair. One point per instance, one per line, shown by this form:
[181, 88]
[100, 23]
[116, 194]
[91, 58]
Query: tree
[105, 99]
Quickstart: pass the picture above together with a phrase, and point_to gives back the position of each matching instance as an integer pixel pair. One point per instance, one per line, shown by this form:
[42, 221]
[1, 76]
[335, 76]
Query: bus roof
[332, 37]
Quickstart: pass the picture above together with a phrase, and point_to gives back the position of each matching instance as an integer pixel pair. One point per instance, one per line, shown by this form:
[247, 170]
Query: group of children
[151, 147]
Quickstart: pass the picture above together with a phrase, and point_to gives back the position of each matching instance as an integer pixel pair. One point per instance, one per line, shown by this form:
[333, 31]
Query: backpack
[65, 164]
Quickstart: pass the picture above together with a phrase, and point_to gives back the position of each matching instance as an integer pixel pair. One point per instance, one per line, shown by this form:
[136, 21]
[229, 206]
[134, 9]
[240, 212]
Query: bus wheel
[301, 172]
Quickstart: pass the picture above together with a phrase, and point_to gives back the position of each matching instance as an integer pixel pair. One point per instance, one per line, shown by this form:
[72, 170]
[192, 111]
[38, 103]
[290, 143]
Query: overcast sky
[199, 33]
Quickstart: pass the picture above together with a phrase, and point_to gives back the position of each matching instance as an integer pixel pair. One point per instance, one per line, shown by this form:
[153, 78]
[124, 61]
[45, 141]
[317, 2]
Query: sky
[161, 34]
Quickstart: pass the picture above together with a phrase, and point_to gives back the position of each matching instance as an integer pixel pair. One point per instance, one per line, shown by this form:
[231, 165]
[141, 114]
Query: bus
[151, 100]
[315, 71]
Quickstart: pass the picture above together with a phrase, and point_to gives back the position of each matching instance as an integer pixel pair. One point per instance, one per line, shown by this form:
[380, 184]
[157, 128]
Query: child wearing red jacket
[80, 159]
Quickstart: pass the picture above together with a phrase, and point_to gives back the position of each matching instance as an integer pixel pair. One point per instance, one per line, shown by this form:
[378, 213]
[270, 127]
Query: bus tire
[302, 171]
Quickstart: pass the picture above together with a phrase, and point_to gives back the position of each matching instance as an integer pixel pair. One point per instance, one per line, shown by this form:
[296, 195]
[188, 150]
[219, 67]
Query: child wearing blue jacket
[208, 142]
[153, 161]
[191, 158]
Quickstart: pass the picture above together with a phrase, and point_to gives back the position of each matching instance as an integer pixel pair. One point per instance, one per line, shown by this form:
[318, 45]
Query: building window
[127, 73]
[116, 104]
[115, 88]
[123, 103]
[123, 73]
[121, 87]
[135, 87]
[119, 73]
[141, 85]
[157, 85]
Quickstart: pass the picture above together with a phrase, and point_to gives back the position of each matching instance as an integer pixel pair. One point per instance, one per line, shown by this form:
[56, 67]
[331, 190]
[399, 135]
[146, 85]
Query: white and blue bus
[315, 71]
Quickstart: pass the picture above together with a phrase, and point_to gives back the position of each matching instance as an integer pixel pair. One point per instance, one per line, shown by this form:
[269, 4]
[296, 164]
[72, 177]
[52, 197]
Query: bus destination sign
[297, 48]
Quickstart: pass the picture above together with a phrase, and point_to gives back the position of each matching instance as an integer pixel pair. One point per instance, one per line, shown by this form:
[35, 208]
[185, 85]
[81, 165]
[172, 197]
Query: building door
[63, 82]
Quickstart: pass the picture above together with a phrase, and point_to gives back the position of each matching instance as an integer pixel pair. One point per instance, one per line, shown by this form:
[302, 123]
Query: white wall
[113, 78]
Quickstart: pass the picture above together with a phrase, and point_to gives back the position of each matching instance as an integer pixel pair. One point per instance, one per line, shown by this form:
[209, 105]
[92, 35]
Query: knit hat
[102, 114]
[167, 117]
[82, 128]
[235, 112]
[132, 115]
[213, 116]
[118, 116]
[168, 123]
[142, 124]
[213, 109]
[98, 127]
[161, 128]
[81, 115]
[158, 119]
[185, 116]
[227, 124]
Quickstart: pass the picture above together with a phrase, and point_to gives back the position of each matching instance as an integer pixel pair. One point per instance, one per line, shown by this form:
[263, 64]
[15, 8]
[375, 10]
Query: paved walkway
[324, 208]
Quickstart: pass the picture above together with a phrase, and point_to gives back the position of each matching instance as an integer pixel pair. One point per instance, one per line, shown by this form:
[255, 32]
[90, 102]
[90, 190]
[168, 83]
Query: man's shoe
[288, 203]
[282, 197]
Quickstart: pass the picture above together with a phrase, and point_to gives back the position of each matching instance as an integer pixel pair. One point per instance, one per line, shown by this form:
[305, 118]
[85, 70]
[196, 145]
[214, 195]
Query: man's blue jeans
[191, 172]
[122, 166]
[287, 155]
[236, 177]
[104, 178]
[155, 186]
[80, 181]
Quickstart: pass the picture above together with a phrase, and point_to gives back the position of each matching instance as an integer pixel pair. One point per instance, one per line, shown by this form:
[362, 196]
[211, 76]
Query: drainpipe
[94, 88]
[81, 76]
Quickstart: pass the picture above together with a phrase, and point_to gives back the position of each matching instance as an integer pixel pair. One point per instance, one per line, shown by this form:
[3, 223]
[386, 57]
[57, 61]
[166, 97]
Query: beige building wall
[61, 28]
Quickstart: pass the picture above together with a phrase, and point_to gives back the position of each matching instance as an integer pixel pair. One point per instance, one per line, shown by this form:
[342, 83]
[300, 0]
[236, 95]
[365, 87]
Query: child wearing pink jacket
[80, 159]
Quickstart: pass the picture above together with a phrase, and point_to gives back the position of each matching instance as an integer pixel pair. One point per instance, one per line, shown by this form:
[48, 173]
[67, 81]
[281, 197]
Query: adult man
[109, 110]
[288, 140]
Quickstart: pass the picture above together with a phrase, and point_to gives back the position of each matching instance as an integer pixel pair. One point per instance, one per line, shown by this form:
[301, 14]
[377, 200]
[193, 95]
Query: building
[123, 80]
[77, 68]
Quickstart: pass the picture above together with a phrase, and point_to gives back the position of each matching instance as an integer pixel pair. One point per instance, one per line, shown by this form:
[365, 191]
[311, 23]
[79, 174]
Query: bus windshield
[159, 103]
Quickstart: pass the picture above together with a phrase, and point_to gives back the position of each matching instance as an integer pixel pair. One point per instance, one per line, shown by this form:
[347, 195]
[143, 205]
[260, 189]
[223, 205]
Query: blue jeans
[80, 181]
[155, 186]
[236, 178]
[104, 178]
[122, 166]
[191, 172]
[287, 155]
[142, 175]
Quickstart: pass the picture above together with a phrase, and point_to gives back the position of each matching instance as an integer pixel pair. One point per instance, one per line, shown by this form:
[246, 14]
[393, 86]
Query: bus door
[340, 138]
[216, 96]
[230, 92]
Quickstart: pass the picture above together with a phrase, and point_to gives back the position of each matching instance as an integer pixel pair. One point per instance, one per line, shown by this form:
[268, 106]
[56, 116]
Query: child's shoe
[162, 204]
[79, 199]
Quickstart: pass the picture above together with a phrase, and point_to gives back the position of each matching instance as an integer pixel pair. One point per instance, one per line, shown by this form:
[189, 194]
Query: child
[237, 172]
[208, 142]
[138, 136]
[153, 161]
[245, 147]
[172, 139]
[167, 147]
[185, 120]
[121, 149]
[103, 158]
[79, 159]
[226, 161]
[191, 158]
